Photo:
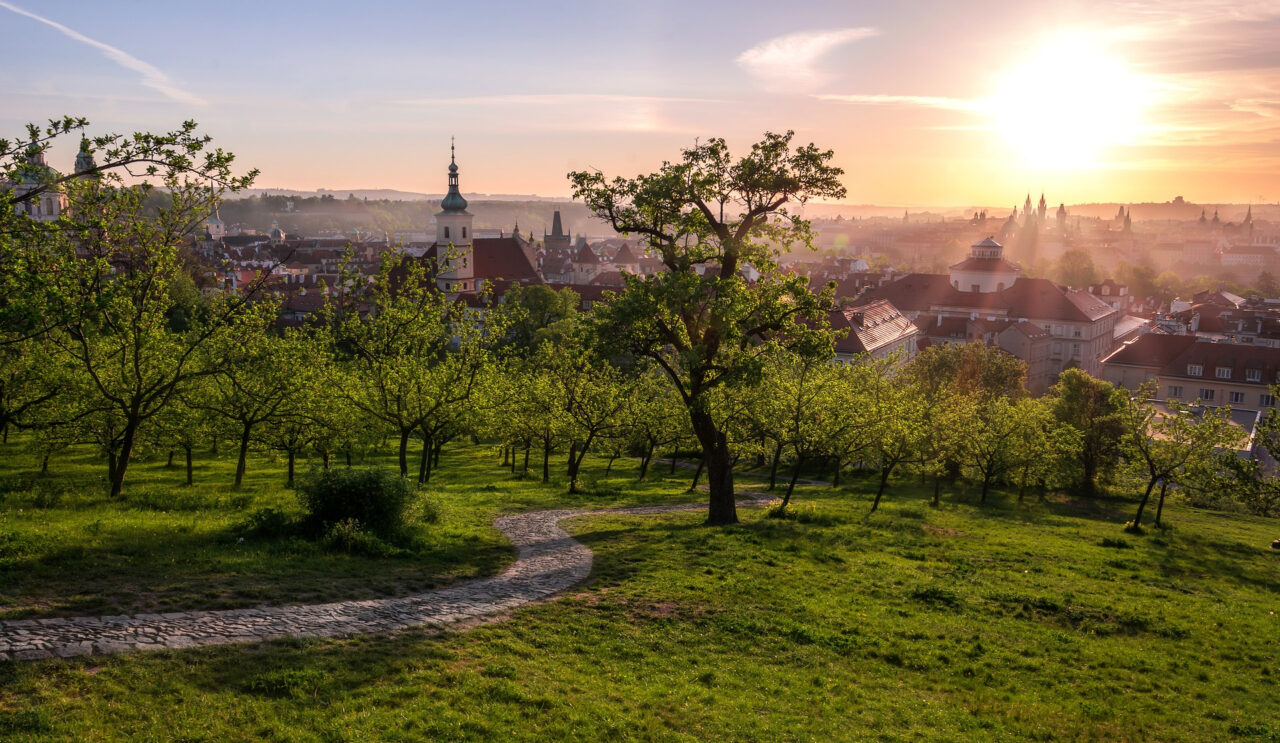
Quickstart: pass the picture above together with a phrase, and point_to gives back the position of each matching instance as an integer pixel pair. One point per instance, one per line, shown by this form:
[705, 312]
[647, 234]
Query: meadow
[1039, 621]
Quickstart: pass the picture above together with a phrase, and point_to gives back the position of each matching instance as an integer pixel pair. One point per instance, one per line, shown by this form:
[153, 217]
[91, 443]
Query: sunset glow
[1093, 101]
[1069, 105]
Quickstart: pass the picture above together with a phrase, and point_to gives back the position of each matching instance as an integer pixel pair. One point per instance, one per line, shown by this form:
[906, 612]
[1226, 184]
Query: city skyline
[928, 104]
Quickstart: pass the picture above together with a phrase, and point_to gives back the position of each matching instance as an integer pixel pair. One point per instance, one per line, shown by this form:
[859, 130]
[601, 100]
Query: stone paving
[549, 562]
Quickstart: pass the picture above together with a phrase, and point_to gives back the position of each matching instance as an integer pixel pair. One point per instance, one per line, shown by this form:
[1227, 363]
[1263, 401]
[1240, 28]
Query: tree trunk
[697, 475]
[609, 467]
[292, 458]
[122, 459]
[324, 460]
[169, 464]
[424, 464]
[674, 452]
[1142, 504]
[546, 458]
[835, 475]
[188, 451]
[644, 461]
[435, 453]
[44, 464]
[527, 446]
[721, 507]
[506, 456]
[795, 475]
[404, 452]
[573, 455]
[884, 480]
[773, 468]
[575, 465]
[1164, 485]
[937, 491]
[244, 455]
[986, 485]
[348, 454]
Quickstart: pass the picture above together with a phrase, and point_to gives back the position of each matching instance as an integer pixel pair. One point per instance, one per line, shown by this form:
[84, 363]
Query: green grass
[1041, 622]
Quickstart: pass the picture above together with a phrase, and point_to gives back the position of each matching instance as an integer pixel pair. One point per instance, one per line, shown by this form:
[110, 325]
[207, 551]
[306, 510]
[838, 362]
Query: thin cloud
[925, 101]
[548, 99]
[791, 61]
[151, 77]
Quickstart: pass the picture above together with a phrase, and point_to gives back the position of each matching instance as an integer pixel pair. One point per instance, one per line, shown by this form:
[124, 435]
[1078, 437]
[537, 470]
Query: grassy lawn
[963, 622]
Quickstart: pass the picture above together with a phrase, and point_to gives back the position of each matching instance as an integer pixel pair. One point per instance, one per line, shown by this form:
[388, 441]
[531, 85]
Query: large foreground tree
[711, 219]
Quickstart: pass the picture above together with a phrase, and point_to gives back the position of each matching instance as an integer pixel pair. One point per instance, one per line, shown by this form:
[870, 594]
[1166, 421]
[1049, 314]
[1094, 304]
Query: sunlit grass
[964, 622]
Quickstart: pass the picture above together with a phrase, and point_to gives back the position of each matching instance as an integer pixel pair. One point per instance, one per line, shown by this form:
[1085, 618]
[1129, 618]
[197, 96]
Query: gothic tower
[453, 237]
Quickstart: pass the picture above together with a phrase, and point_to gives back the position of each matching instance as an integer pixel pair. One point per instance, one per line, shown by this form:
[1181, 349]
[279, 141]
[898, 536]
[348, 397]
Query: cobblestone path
[549, 561]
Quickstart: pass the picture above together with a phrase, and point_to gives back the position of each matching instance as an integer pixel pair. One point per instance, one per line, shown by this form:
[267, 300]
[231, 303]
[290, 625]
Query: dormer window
[1195, 370]
[1253, 375]
[1223, 372]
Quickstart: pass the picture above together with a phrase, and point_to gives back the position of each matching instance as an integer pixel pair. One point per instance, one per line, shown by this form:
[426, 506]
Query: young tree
[413, 357]
[263, 379]
[1167, 444]
[710, 218]
[896, 427]
[1089, 406]
[98, 282]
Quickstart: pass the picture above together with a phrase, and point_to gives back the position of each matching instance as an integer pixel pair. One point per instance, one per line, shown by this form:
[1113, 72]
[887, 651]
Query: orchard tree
[1089, 406]
[1166, 444]
[110, 298]
[413, 356]
[711, 219]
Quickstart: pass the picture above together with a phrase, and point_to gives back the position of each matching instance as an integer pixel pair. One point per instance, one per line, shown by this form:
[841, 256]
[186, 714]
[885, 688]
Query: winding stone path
[549, 562]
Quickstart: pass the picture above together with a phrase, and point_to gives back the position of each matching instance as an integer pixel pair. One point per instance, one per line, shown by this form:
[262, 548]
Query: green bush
[350, 537]
[377, 500]
[269, 523]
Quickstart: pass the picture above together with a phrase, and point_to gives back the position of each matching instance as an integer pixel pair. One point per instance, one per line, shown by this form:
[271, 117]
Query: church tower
[1041, 209]
[453, 237]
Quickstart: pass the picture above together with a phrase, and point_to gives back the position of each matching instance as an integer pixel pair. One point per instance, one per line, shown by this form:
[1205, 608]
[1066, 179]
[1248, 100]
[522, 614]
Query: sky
[924, 103]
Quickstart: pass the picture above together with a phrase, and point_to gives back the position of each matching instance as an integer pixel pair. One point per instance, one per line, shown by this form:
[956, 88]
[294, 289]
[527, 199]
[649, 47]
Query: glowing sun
[1066, 104]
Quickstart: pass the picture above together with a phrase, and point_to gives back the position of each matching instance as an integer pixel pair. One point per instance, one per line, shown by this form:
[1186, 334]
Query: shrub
[269, 523]
[377, 500]
[348, 536]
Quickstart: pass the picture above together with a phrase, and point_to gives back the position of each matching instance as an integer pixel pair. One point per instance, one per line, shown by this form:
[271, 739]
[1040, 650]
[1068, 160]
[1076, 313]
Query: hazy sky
[936, 102]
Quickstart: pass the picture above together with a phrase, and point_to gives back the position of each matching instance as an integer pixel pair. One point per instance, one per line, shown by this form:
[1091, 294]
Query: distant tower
[1248, 222]
[1062, 218]
[36, 175]
[1042, 209]
[558, 239]
[1026, 205]
[1203, 219]
[1216, 221]
[84, 159]
[905, 217]
[453, 237]
[1128, 221]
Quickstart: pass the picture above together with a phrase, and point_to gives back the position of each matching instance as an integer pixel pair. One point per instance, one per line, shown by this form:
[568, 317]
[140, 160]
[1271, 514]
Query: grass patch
[956, 623]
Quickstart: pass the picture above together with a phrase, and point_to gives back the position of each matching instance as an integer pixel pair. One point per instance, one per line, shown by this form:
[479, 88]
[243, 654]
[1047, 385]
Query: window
[976, 288]
[446, 233]
[1235, 398]
[1206, 394]
[464, 233]
[1075, 350]
[1075, 333]
[1267, 401]
[1195, 370]
[1223, 372]
[1253, 375]
[1175, 391]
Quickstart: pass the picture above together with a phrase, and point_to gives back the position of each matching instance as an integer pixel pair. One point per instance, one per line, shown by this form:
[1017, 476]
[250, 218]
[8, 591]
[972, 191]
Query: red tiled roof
[1171, 354]
[585, 255]
[1038, 299]
[871, 326]
[496, 258]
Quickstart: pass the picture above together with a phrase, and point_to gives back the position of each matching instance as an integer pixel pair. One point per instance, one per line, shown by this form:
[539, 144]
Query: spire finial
[451, 152]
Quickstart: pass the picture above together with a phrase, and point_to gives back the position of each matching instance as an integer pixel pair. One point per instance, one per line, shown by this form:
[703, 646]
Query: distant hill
[387, 194]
